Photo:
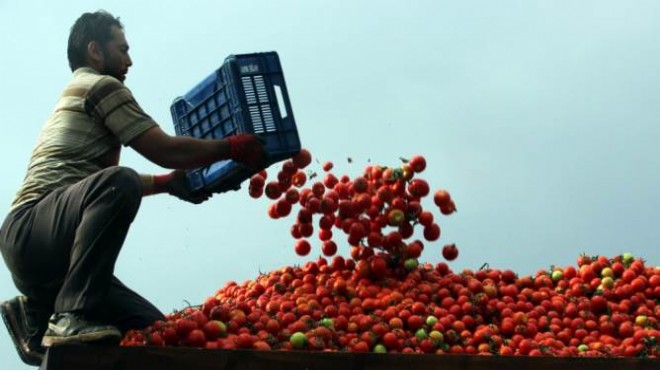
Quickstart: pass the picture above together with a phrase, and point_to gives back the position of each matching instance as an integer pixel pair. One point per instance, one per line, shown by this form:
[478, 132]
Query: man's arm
[113, 104]
[179, 152]
[148, 187]
[174, 183]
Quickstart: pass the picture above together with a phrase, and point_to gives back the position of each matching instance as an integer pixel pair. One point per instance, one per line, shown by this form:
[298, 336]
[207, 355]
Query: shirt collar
[82, 70]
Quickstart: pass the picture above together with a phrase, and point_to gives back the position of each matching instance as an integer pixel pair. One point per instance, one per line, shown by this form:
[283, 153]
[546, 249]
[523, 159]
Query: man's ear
[95, 53]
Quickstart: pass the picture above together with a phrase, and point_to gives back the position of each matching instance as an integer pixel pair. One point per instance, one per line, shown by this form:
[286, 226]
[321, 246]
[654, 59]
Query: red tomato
[329, 248]
[283, 208]
[325, 235]
[378, 267]
[626, 329]
[432, 232]
[418, 188]
[213, 329]
[318, 189]
[327, 166]
[261, 346]
[302, 247]
[425, 218]
[360, 346]
[302, 159]
[448, 208]
[257, 181]
[417, 163]
[441, 198]
[273, 190]
[415, 249]
[298, 179]
[391, 341]
[450, 252]
[196, 338]
[244, 340]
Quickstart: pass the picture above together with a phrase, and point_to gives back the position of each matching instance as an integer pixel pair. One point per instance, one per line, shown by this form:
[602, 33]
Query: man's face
[115, 56]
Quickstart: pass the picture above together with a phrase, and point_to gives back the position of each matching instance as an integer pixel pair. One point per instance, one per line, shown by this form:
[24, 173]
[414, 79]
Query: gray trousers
[61, 249]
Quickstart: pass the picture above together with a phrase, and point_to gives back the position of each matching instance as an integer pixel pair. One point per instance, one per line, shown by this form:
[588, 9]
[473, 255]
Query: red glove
[247, 149]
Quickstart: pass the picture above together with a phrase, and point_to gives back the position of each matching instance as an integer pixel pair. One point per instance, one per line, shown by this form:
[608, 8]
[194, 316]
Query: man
[70, 217]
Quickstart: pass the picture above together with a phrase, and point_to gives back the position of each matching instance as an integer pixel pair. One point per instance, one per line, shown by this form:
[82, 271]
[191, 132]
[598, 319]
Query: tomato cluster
[377, 211]
[382, 299]
[602, 307]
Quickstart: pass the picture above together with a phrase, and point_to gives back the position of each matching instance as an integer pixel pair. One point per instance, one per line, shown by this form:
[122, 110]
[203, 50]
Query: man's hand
[178, 187]
[248, 150]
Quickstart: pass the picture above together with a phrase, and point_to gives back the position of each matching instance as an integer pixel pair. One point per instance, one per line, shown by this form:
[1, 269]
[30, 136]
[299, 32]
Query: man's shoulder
[96, 83]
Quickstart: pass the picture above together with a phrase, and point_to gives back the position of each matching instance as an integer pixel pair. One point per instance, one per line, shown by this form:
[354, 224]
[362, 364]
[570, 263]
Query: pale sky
[539, 117]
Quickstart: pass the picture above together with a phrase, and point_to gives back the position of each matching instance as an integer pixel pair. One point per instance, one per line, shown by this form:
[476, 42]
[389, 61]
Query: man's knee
[125, 179]
[126, 186]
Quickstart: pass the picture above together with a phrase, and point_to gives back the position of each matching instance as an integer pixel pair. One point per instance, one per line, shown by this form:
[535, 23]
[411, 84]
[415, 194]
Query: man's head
[97, 40]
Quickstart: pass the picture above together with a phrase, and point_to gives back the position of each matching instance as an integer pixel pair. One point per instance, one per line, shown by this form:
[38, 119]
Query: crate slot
[261, 89]
[268, 118]
[257, 122]
[248, 88]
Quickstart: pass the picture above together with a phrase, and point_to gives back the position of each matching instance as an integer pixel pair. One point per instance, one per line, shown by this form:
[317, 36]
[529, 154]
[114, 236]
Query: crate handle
[279, 96]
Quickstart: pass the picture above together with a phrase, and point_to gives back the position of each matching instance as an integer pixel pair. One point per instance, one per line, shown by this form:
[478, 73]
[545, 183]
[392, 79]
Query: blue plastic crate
[247, 94]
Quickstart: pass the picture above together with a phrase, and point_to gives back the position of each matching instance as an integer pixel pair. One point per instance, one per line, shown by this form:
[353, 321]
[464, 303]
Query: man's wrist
[223, 147]
[162, 181]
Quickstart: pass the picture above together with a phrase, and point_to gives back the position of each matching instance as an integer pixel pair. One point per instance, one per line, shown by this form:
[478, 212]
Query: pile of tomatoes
[382, 299]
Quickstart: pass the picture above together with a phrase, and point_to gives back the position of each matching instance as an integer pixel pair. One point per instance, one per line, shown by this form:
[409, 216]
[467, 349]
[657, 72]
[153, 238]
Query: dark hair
[89, 27]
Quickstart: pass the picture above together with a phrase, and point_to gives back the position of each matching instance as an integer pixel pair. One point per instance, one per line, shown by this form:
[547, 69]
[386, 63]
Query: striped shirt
[95, 115]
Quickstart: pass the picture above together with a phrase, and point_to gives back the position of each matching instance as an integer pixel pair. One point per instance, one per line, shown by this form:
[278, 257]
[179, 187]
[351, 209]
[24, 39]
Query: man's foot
[72, 327]
[25, 333]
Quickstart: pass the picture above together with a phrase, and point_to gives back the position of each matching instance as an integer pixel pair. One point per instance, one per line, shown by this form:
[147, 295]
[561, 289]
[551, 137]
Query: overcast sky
[540, 118]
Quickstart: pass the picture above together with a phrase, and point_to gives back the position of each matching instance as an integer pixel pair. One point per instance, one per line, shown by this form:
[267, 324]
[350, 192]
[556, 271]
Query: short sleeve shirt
[94, 115]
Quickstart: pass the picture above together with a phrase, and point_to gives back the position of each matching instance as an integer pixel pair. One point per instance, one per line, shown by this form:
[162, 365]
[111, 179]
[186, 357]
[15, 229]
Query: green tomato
[421, 334]
[411, 264]
[628, 258]
[431, 320]
[327, 322]
[379, 348]
[557, 275]
[222, 326]
[298, 340]
[437, 336]
[395, 217]
[607, 282]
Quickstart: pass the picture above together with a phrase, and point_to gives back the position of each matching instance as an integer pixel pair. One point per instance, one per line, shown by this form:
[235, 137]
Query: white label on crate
[250, 68]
